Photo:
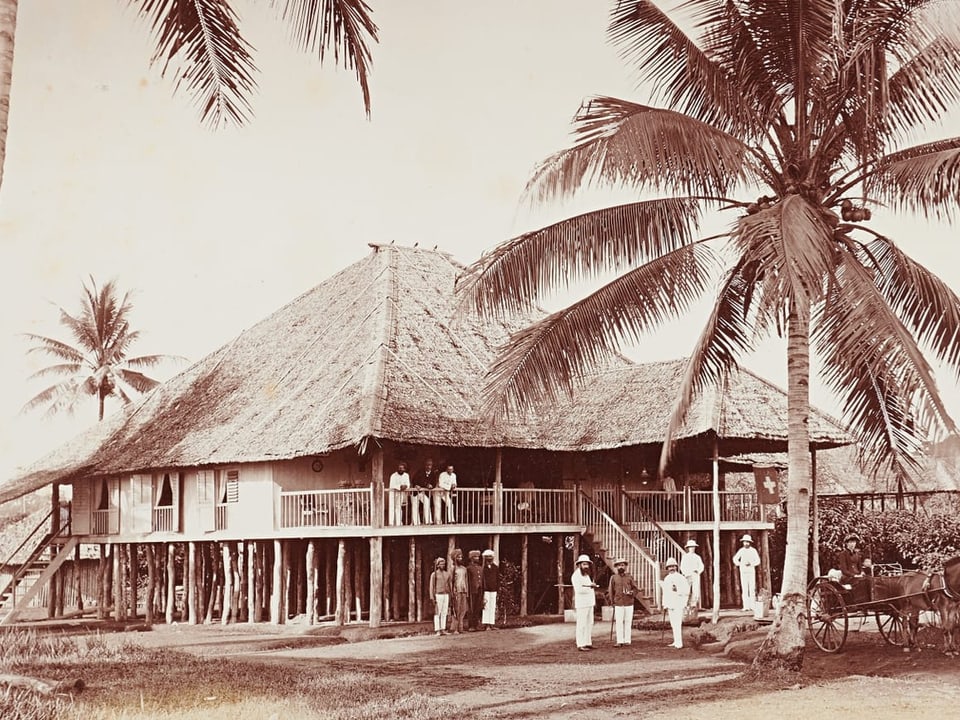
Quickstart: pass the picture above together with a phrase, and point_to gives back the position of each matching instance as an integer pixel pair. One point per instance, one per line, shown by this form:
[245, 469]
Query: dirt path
[537, 672]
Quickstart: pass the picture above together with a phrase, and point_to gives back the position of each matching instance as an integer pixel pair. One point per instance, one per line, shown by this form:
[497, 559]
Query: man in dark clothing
[491, 584]
[851, 564]
[475, 590]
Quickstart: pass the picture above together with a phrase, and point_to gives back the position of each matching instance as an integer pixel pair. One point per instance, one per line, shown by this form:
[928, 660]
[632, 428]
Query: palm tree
[807, 109]
[97, 363]
[200, 44]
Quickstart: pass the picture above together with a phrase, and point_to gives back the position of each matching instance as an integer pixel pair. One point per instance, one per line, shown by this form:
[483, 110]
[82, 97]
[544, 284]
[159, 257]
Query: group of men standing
[469, 590]
[424, 500]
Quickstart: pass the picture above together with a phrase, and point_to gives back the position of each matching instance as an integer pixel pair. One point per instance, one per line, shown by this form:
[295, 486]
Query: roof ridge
[386, 331]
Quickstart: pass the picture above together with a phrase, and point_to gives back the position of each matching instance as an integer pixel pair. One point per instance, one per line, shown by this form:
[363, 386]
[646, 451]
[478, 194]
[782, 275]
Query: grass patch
[124, 681]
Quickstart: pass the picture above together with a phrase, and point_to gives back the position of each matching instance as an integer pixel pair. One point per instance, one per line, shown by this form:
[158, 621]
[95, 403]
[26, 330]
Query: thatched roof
[378, 351]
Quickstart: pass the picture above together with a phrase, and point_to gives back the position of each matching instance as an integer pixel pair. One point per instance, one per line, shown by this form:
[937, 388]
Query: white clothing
[623, 622]
[424, 500]
[584, 626]
[399, 482]
[747, 559]
[584, 600]
[674, 593]
[448, 482]
[489, 608]
[691, 567]
[442, 602]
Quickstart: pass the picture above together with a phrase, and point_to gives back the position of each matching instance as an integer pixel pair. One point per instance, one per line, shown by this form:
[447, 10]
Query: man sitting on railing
[399, 487]
[448, 487]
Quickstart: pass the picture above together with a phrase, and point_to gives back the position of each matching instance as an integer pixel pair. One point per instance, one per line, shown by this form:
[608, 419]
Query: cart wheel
[826, 617]
[891, 626]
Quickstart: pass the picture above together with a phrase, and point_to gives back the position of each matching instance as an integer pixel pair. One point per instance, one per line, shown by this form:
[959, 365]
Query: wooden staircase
[26, 579]
[611, 541]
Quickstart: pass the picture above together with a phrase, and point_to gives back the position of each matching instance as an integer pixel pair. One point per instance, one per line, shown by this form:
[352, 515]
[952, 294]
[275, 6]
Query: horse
[914, 592]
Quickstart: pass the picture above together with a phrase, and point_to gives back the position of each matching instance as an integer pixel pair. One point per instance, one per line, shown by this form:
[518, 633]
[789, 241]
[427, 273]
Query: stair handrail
[588, 501]
[648, 519]
[24, 567]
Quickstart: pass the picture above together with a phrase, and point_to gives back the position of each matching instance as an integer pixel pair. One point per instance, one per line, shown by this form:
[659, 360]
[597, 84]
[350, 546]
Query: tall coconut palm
[97, 363]
[200, 44]
[797, 118]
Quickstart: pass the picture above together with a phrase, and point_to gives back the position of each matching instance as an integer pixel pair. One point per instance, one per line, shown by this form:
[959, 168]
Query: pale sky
[109, 174]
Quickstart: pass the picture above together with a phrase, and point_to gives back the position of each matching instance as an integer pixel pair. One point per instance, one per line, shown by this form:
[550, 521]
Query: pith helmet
[671, 562]
[746, 538]
[691, 543]
[584, 559]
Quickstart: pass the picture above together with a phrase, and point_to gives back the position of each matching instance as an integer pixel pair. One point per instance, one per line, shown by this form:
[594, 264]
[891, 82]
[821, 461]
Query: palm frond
[63, 369]
[922, 178]
[54, 347]
[138, 381]
[514, 275]
[213, 62]
[923, 302]
[61, 397]
[793, 245]
[545, 360]
[709, 88]
[873, 363]
[641, 146]
[148, 361]
[343, 27]
[725, 338]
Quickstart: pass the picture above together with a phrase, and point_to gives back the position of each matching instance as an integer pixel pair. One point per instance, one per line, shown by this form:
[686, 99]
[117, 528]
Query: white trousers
[748, 586]
[427, 515]
[676, 625]
[694, 580]
[584, 626]
[489, 608]
[396, 508]
[623, 622]
[437, 514]
[442, 602]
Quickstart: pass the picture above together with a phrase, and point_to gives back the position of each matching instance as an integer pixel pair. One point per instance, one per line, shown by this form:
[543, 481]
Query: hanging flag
[768, 484]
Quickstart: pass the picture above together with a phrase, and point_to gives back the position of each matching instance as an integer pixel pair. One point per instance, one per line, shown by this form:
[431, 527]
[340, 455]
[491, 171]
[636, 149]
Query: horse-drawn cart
[830, 605]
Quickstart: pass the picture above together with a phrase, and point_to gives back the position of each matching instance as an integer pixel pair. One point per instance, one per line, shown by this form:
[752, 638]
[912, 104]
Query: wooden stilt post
[340, 611]
[77, 585]
[117, 583]
[53, 585]
[171, 583]
[251, 563]
[191, 594]
[376, 580]
[275, 589]
[330, 575]
[387, 579]
[211, 560]
[524, 549]
[226, 609]
[412, 599]
[311, 601]
[348, 582]
[101, 583]
[133, 572]
[559, 539]
[418, 582]
[358, 591]
[151, 583]
[259, 566]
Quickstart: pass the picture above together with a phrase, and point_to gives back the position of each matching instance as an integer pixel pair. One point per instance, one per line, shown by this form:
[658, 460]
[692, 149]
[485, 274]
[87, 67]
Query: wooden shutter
[175, 490]
[80, 509]
[113, 485]
[206, 491]
[141, 505]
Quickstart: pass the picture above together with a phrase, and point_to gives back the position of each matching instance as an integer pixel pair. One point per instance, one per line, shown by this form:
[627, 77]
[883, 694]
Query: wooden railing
[104, 522]
[692, 506]
[616, 542]
[163, 519]
[470, 506]
[220, 516]
[325, 508]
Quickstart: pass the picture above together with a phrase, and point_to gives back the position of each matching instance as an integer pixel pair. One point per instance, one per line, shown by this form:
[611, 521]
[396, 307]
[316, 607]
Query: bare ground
[537, 672]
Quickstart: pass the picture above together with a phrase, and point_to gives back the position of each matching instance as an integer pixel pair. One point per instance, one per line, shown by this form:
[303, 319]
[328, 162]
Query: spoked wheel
[826, 617]
[892, 626]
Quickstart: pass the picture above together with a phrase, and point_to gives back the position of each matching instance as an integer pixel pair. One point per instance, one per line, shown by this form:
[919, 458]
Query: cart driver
[852, 566]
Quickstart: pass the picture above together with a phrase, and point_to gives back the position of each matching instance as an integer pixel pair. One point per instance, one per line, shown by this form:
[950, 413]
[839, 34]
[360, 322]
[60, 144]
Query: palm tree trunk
[8, 31]
[785, 648]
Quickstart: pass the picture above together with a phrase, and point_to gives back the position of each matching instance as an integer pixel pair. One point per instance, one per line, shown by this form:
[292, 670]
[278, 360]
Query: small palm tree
[199, 42]
[97, 363]
[798, 117]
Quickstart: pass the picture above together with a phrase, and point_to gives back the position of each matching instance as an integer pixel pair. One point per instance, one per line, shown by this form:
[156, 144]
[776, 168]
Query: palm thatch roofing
[380, 351]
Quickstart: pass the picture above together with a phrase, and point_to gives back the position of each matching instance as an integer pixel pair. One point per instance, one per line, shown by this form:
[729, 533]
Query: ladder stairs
[25, 580]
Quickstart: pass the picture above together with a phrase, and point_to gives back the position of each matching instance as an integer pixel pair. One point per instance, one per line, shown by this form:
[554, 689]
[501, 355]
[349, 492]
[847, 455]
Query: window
[230, 490]
[165, 497]
[205, 487]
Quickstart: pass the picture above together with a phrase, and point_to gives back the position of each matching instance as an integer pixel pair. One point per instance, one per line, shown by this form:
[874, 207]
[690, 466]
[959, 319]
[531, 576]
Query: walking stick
[663, 624]
[613, 619]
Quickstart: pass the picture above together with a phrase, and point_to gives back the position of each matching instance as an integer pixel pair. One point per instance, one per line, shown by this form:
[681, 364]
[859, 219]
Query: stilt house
[254, 485]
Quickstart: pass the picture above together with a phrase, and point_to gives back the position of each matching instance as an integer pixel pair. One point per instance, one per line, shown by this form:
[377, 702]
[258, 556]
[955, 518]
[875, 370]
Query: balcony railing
[163, 519]
[325, 508]
[220, 516]
[691, 506]
[540, 506]
[105, 522]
